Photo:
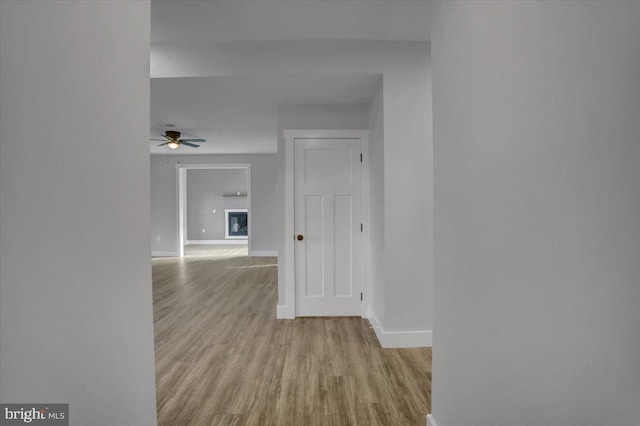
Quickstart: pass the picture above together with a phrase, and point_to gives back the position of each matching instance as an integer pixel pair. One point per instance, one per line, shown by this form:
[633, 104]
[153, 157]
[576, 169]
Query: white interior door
[328, 217]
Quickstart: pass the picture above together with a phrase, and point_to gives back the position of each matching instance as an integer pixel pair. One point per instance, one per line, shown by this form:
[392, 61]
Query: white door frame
[288, 310]
[181, 172]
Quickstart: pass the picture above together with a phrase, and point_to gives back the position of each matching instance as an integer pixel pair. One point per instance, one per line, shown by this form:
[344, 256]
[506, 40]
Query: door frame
[181, 179]
[288, 310]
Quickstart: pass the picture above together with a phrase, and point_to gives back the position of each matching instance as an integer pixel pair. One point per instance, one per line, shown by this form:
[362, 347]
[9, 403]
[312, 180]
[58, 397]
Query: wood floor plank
[223, 359]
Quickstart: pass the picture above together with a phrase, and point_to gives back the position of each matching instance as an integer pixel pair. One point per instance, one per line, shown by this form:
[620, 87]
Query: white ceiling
[239, 114]
[188, 21]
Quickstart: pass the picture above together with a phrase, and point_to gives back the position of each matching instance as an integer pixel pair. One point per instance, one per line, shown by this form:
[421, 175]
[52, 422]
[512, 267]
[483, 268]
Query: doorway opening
[214, 209]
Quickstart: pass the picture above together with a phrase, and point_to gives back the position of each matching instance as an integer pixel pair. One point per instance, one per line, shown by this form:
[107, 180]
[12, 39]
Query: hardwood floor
[222, 357]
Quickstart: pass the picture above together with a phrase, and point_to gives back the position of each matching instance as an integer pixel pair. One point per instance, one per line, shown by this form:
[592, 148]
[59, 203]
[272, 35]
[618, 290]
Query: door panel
[317, 160]
[343, 245]
[313, 248]
[328, 212]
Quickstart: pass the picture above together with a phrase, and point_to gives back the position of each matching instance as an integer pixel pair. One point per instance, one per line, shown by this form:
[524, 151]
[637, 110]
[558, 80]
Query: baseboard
[431, 421]
[215, 242]
[263, 253]
[284, 312]
[400, 339]
[164, 254]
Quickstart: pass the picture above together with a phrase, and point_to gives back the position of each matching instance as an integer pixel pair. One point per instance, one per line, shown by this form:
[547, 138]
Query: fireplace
[236, 225]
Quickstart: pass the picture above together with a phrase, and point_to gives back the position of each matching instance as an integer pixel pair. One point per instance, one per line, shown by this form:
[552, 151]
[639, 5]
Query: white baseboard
[400, 339]
[263, 253]
[431, 421]
[214, 242]
[284, 312]
[164, 254]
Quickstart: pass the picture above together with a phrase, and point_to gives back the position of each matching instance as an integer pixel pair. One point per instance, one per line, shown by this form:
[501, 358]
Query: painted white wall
[376, 207]
[264, 198]
[76, 306]
[537, 143]
[209, 190]
[408, 173]
[322, 116]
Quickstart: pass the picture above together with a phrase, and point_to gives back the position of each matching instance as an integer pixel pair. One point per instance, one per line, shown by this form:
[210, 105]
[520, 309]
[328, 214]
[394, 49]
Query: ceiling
[239, 114]
[188, 21]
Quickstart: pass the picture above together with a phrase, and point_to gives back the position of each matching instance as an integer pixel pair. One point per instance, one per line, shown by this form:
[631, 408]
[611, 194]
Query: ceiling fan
[173, 141]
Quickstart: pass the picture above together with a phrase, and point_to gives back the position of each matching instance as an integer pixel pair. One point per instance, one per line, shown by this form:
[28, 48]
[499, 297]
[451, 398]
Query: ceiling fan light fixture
[172, 140]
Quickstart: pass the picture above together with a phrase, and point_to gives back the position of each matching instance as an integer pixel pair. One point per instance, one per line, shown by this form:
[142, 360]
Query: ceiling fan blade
[163, 144]
[193, 140]
[193, 145]
[161, 140]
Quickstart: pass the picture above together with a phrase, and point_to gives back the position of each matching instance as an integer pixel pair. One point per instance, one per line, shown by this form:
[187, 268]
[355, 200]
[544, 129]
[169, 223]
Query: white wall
[408, 173]
[75, 276]
[537, 148]
[322, 116]
[264, 199]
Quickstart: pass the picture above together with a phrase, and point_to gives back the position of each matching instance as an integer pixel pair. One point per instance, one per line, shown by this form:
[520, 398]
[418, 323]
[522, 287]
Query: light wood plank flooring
[222, 358]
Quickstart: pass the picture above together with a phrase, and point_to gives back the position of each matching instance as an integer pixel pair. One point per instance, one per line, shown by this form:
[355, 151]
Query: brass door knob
[300, 237]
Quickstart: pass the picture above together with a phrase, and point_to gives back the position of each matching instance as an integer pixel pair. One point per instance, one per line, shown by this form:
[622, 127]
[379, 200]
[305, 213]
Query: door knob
[300, 237]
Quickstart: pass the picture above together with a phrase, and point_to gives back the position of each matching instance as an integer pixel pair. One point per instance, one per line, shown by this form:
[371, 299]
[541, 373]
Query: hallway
[222, 358]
